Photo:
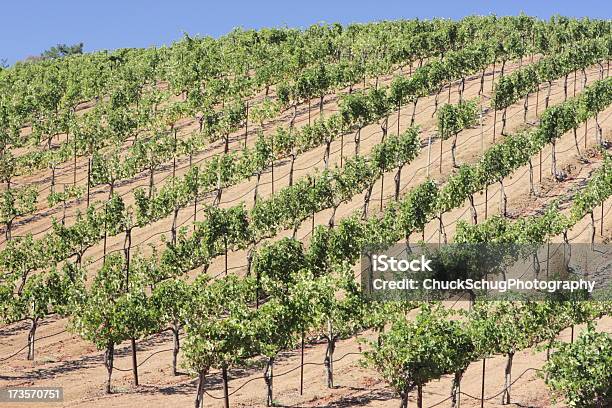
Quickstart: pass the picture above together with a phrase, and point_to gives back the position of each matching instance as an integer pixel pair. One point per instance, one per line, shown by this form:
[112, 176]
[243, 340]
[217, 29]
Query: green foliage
[63, 50]
[580, 372]
[43, 294]
[510, 88]
[220, 324]
[213, 78]
[452, 119]
[169, 300]
[539, 228]
[397, 150]
[115, 308]
[412, 353]
[505, 327]
[416, 208]
[598, 189]
[17, 202]
[69, 192]
[278, 262]
[282, 318]
[339, 304]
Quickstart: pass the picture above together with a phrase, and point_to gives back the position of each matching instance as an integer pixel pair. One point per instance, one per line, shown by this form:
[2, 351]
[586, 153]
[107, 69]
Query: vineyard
[184, 225]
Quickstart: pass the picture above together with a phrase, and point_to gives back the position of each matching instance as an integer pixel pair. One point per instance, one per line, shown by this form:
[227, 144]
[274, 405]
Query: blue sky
[27, 27]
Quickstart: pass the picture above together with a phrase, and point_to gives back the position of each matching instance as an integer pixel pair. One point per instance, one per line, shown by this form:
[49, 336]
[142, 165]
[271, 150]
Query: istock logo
[384, 263]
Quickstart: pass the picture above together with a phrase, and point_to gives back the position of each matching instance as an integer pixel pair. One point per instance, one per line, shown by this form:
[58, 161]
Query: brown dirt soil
[63, 359]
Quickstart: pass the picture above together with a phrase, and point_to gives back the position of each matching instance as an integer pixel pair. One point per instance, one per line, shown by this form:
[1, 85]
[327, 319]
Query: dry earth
[63, 359]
